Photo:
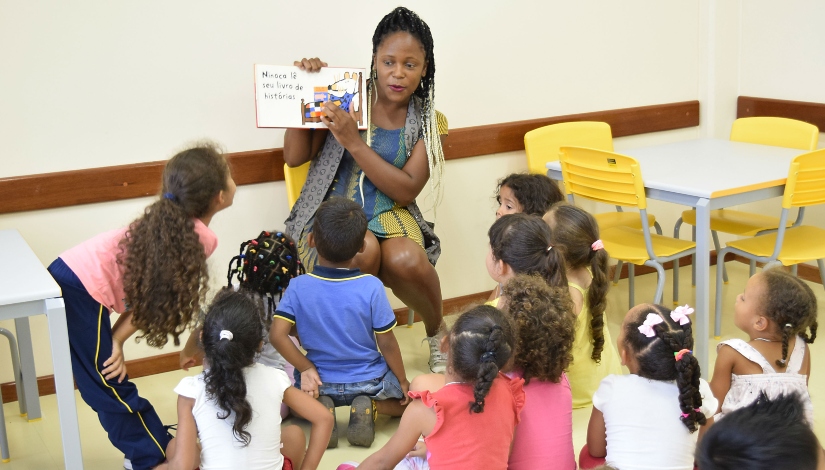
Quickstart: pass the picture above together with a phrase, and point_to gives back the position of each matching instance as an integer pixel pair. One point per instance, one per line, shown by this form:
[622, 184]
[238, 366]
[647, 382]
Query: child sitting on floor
[545, 328]
[649, 418]
[343, 318]
[775, 311]
[527, 193]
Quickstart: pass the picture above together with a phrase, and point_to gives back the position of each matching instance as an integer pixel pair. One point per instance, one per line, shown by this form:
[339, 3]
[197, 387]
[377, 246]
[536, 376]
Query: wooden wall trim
[814, 113]
[113, 183]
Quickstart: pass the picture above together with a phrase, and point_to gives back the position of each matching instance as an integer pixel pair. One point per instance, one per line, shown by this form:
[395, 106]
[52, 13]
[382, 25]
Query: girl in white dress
[233, 407]
[775, 311]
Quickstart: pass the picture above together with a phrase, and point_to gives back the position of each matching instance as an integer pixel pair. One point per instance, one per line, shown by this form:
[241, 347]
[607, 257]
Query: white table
[27, 289]
[708, 174]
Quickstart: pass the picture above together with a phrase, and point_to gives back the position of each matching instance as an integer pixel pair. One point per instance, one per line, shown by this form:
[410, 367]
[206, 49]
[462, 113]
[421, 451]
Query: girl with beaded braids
[649, 418]
[576, 234]
[775, 311]
[233, 406]
[467, 415]
[384, 168]
[154, 274]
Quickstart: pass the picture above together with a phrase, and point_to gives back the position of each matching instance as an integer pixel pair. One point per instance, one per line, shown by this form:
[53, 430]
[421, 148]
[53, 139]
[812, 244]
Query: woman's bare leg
[369, 261]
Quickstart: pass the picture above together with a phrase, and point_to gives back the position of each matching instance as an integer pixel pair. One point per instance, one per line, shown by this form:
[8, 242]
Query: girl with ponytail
[154, 274]
[233, 407]
[776, 311]
[576, 235]
[522, 244]
[467, 415]
[649, 418]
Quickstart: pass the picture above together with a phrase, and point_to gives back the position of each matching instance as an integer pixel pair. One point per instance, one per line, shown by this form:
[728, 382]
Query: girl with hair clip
[576, 234]
[467, 415]
[527, 193]
[154, 274]
[233, 407]
[521, 244]
[384, 168]
[545, 328]
[775, 311]
[649, 418]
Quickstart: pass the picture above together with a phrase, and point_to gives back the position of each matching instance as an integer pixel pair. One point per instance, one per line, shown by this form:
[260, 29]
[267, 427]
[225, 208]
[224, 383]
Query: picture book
[286, 96]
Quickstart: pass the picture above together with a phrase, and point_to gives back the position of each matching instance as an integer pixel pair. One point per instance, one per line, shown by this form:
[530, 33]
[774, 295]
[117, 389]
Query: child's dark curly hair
[791, 304]
[481, 342]
[241, 315]
[659, 357]
[535, 193]
[545, 327]
[574, 231]
[165, 276]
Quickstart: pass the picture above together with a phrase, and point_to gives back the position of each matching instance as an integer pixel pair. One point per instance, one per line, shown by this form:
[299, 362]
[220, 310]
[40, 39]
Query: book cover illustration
[288, 97]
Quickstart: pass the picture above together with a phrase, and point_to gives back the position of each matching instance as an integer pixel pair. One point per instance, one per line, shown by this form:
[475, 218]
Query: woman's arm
[417, 419]
[301, 145]
[322, 421]
[597, 434]
[402, 185]
[720, 383]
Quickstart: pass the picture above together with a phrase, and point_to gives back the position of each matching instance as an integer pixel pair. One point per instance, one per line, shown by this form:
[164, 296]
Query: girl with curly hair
[575, 233]
[526, 193]
[384, 168]
[776, 311]
[154, 274]
[649, 418]
[545, 328]
[233, 407]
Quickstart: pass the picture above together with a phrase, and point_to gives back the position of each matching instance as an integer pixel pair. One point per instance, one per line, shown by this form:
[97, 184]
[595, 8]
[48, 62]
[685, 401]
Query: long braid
[402, 19]
[487, 371]
[687, 374]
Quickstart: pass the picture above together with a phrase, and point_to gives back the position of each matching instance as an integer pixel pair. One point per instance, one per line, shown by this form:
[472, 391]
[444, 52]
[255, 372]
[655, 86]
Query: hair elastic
[489, 356]
[226, 334]
[597, 245]
[170, 196]
[788, 325]
[681, 353]
[549, 247]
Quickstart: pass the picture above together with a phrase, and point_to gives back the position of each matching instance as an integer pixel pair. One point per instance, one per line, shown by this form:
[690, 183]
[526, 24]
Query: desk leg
[701, 329]
[64, 383]
[27, 370]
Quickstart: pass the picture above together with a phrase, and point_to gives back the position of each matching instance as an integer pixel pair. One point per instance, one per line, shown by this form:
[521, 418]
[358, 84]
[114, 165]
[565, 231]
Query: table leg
[701, 330]
[64, 383]
[27, 370]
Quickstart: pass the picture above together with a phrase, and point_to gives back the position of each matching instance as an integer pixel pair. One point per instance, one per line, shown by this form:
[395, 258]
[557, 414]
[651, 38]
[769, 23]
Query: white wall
[103, 83]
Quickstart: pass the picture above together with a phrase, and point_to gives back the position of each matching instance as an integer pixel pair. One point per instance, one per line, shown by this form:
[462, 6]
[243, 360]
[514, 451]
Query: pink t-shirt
[94, 262]
[462, 440]
[544, 436]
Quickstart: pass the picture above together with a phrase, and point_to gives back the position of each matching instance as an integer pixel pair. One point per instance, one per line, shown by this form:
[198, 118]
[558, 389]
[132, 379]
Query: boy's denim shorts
[382, 388]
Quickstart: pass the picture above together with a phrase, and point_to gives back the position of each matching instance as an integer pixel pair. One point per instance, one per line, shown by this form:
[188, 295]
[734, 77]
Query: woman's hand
[342, 125]
[310, 65]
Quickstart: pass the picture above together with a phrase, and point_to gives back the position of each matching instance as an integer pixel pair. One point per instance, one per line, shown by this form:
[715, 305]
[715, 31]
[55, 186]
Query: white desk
[27, 289]
[708, 174]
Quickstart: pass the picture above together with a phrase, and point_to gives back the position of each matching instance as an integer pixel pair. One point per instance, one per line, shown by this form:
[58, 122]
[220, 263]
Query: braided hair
[231, 337]
[791, 304]
[403, 19]
[481, 342]
[524, 242]
[655, 356]
[574, 231]
[265, 265]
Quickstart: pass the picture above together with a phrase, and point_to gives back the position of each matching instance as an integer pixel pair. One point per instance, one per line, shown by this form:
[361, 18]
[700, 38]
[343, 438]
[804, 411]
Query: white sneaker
[438, 359]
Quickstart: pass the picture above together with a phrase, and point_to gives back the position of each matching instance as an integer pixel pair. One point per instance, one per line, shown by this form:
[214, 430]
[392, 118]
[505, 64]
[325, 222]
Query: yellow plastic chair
[787, 246]
[776, 131]
[616, 179]
[294, 179]
[542, 145]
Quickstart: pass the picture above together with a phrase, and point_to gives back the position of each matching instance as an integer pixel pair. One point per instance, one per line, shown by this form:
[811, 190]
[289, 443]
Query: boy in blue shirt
[343, 318]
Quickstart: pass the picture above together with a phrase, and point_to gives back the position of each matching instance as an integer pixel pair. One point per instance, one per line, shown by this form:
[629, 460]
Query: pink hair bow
[647, 327]
[597, 245]
[679, 314]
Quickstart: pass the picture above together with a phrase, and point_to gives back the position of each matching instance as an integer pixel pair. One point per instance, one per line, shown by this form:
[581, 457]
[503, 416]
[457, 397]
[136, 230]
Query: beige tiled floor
[37, 445]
